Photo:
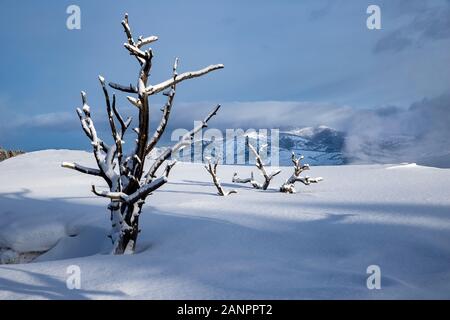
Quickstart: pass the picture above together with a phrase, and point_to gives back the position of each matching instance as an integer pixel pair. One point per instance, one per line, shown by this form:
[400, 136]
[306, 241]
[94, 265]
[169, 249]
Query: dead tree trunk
[289, 185]
[259, 164]
[212, 169]
[128, 185]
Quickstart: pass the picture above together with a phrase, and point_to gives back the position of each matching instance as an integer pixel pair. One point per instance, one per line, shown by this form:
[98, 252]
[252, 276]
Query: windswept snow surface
[255, 244]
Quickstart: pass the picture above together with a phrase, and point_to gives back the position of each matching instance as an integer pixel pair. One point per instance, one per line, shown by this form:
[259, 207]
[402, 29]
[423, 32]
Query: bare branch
[127, 29]
[169, 168]
[255, 184]
[86, 129]
[129, 89]
[144, 41]
[115, 196]
[186, 140]
[135, 102]
[83, 124]
[210, 115]
[146, 189]
[184, 76]
[117, 137]
[289, 185]
[112, 124]
[260, 165]
[135, 51]
[141, 193]
[308, 180]
[123, 124]
[213, 172]
[98, 145]
[80, 168]
[166, 113]
[130, 39]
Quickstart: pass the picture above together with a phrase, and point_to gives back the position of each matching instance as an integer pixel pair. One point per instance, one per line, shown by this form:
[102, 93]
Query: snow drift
[255, 244]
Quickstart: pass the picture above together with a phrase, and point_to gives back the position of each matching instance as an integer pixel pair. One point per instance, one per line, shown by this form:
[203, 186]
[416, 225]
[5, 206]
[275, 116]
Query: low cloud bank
[420, 133]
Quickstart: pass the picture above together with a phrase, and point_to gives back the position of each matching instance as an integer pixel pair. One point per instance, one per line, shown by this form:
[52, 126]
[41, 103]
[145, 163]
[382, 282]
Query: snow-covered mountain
[323, 145]
[320, 146]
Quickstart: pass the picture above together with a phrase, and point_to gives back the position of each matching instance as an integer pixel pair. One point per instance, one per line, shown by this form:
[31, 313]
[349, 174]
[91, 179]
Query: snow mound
[404, 166]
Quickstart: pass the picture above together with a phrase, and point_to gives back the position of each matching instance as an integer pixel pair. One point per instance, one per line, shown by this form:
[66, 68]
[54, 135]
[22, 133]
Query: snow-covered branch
[166, 112]
[144, 41]
[260, 165]
[255, 184]
[169, 168]
[212, 169]
[184, 76]
[124, 124]
[127, 29]
[129, 89]
[80, 168]
[289, 185]
[109, 110]
[141, 193]
[130, 39]
[136, 51]
[101, 151]
[185, 141]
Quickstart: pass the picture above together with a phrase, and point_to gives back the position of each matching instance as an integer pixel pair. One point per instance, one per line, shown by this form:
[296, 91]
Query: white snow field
[255, 244]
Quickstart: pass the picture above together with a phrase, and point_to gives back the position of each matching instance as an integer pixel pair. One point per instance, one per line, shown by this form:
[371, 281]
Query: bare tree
[260, 165]
[124, 174]
[6, 154]
[289, 185]
[212, 169]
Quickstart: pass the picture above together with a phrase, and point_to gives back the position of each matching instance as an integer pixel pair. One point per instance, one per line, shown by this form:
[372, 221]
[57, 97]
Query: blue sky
[314, 60]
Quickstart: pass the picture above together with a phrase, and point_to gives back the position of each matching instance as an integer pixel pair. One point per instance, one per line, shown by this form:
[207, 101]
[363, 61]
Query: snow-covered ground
[251, 245]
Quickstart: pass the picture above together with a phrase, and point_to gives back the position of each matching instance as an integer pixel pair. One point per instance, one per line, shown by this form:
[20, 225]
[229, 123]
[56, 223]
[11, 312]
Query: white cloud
[417, 134]
[263, 114]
